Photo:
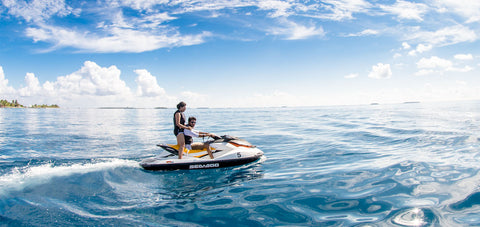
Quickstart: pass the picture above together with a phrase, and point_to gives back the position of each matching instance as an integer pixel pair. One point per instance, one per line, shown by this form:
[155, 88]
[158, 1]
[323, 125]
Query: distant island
[15, 104]
[45, 106]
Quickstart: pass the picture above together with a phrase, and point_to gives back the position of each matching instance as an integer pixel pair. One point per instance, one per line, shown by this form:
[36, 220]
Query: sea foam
[20, 178]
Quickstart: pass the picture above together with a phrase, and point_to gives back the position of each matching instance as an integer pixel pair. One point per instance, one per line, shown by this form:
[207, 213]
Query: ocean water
[379, 165]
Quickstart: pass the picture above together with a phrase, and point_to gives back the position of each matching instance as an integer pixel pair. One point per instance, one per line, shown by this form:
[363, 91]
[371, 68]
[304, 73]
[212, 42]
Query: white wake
[22, 177]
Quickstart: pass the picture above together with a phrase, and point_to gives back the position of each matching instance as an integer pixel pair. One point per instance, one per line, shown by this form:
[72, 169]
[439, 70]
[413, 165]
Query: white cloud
[38, 10]
[463, 56]
[338, 10]
[147, 30]
[49, 89]
[445, 36]
[93, 86]
[4, 88]
[280, 8]
[420, 49]
[33, 86]
[423, 48]
[92, 79]
[148, 22]
[365, 32]
[434, 62]
[114, 32]
[150, 25]
[294, 31]
[187, 6]
[406, 10]
[327, 9]
[380, 71]
[147, 84]
[465, 8]
[154, 21]
[137, 4]
[118, 40]
[438, 65]
[406, 46]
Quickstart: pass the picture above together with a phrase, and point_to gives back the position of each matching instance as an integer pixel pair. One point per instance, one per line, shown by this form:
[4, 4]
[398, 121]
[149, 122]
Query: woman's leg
[181, 144]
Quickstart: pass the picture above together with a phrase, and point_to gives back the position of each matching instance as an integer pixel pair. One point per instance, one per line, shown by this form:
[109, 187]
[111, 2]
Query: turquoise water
[401, 165]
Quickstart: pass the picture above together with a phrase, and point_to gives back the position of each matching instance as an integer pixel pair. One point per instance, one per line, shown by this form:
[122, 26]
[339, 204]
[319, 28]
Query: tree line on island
[15, 104]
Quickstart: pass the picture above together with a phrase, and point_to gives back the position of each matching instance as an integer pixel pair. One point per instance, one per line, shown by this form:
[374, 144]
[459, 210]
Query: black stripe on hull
[203, 165]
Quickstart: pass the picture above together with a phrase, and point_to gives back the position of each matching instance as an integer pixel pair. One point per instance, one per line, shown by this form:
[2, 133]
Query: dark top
[188, 140]
[177, 129]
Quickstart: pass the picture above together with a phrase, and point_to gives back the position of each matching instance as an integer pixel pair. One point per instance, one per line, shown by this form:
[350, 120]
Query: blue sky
[240, 53]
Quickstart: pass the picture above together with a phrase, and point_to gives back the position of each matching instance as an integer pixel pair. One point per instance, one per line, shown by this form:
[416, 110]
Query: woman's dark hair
[180, 105]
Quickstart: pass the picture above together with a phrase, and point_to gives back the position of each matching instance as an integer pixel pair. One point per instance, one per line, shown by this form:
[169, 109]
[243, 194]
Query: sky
[238, 53]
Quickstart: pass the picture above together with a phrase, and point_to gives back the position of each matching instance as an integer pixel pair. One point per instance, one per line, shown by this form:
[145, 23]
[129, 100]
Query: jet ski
[227, 151]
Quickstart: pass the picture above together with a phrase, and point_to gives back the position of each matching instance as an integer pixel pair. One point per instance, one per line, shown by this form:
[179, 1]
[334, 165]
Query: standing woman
[179, 126]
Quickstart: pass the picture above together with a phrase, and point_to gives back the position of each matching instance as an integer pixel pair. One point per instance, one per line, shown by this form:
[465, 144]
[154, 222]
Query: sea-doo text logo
[205, 166]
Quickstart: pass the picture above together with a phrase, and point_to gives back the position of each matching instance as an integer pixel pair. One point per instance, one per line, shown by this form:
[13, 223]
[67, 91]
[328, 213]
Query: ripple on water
[415, 217]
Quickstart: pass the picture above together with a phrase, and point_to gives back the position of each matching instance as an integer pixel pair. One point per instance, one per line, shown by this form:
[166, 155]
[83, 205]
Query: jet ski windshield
[234, 140]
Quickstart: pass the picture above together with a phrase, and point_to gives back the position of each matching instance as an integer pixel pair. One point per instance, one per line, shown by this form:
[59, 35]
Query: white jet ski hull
[226, 152]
